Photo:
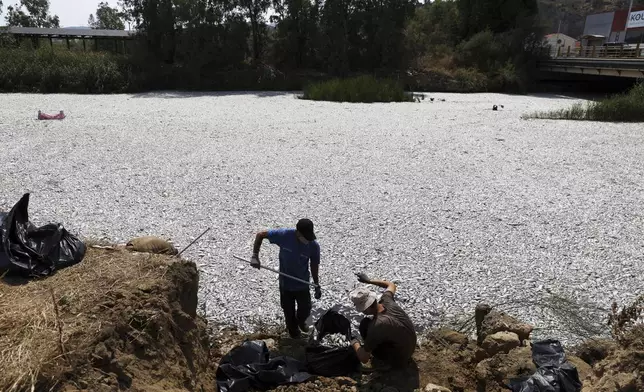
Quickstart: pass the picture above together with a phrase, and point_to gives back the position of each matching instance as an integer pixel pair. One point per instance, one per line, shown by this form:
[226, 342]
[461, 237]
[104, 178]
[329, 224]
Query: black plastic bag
[548, 353]
[35, 251]
[248, 367]
[331, 323]
[554, 373]
[331, 361]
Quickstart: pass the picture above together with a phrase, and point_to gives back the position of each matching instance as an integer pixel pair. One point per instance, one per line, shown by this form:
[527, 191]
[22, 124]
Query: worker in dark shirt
[389, 335]
[298, 249]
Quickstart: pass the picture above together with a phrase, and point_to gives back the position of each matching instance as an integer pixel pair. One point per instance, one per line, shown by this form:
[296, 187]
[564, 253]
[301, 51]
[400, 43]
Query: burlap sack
[151, 245]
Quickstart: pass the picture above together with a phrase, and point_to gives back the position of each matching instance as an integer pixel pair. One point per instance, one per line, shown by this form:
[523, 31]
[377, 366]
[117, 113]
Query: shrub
[365, 89]
[628, 107]
[470, 80]
[61, 71]
[482, 51]
[623, 321]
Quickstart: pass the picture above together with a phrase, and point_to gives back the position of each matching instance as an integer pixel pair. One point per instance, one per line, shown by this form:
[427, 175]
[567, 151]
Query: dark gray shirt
[391, 336]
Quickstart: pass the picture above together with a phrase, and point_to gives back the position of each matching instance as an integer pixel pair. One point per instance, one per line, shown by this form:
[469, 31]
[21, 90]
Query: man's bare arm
[254, 260]
[315, 272]
[258, 241]
[388, 286]
[362, 354]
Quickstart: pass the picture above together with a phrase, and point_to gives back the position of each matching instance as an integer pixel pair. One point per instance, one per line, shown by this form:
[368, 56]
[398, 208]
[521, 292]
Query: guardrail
[603, 51]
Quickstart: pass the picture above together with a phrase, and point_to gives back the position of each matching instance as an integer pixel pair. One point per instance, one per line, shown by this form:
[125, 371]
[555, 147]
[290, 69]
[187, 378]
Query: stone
[452, 337]
[494, 321]
[270, 344]
[619, 382]
[500, 342]
[626, 381]
[584, 369]
[435, 388]
[593, 351]
[345, 381]
[493, 373]
[480, 355]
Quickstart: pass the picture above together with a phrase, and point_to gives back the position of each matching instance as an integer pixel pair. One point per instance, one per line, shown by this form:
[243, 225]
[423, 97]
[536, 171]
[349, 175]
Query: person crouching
[389, 334]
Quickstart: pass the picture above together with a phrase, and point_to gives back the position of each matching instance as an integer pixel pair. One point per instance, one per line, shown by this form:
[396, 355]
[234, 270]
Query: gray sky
[70, 12]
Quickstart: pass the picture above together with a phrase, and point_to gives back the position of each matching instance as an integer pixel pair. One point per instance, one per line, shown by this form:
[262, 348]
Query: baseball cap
[363, 298]
[305, 227]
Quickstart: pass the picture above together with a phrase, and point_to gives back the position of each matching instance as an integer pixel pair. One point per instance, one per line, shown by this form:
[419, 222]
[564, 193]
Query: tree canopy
[107, 18]
[32, 13]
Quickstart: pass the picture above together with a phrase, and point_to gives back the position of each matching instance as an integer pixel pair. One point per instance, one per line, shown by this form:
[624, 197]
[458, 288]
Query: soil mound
[117, 321]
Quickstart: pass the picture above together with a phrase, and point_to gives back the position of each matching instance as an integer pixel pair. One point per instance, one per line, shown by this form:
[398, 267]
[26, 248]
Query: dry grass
[576, 320]
[44, 321]
[623, 321]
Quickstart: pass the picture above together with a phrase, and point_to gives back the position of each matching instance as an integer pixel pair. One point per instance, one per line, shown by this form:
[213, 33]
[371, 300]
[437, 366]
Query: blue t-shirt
[294, 258]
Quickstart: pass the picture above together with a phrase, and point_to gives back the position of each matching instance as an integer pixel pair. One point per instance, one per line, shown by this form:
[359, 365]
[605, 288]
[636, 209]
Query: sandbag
[331, 361]
[35, 251]
[150, 244]
[554, 373]
[248, 367]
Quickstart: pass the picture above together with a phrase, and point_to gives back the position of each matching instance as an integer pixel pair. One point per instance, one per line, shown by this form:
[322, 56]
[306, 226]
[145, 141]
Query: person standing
[389, 335]
[298, 250]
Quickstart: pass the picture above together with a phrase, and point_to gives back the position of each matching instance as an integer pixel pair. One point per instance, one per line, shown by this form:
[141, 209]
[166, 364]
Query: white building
[560, 43]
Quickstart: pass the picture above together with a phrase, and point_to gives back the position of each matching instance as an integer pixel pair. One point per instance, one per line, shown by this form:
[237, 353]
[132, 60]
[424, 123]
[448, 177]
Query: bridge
[623, 60]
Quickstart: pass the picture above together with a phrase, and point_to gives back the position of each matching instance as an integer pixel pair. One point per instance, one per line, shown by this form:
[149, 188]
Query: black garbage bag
[554, 373]
[331, 361]
[330, 323]
[35, 251]
[249, 367]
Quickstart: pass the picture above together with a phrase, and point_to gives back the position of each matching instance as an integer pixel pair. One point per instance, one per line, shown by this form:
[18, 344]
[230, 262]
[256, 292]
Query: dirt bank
[123, 321]
[117, 321]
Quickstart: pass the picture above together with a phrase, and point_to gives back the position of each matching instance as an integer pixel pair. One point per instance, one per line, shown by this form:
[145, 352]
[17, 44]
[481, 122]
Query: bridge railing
[603, 51]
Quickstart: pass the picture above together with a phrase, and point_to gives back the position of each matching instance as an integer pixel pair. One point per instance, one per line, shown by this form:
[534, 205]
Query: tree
[255, 10]
[297, 43]
[336, 29]
[157, 20]
[432, 31]
[107, 18]
[36, 15]
[498, 16]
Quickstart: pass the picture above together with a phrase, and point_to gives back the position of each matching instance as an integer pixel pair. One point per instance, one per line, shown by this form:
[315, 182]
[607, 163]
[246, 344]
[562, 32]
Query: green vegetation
[460, 45]
[628, 107]
[359, 89]
[61, 71]
[107, 18]
[31, 13]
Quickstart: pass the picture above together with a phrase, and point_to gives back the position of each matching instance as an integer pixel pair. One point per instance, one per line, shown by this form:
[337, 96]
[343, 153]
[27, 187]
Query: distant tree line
[210, 44]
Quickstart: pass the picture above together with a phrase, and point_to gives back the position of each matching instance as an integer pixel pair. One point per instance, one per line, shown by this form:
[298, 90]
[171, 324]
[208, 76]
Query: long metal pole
[558, 34]
[278, 272]
[193, 242]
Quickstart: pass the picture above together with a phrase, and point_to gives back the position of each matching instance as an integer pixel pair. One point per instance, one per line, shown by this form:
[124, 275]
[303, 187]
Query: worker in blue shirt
[298, 249]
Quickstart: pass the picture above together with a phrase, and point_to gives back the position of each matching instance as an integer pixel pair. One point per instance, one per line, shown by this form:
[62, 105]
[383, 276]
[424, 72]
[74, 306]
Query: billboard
[599, 24]
[635, 19]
